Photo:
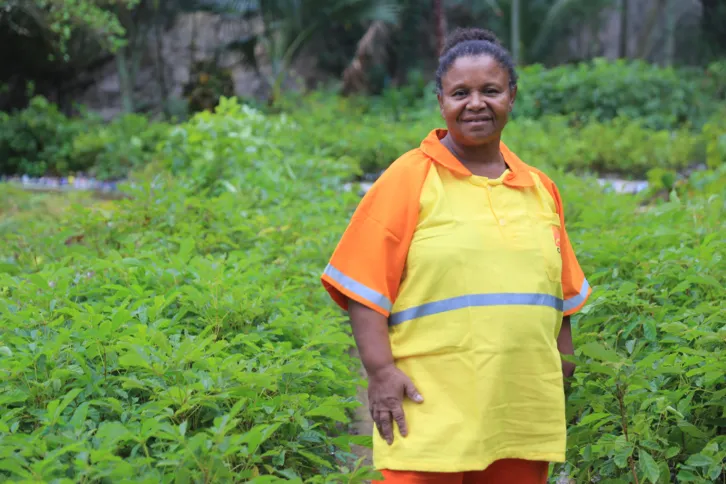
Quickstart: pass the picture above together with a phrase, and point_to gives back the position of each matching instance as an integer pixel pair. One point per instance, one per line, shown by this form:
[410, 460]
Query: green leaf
[186, 248]
[593, 417]
[699, 460]
[684, 475]
[650, 331]
[315, 459]
[14, 468]
[692, 430]
[79, 416]
[599, 352]
[257, 435]
[133, 360]
[672, 452]
[647, 466]
[329, 411]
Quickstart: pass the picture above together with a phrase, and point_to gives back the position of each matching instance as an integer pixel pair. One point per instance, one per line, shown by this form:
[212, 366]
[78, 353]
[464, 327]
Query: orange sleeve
[368, 263]
[575, 288]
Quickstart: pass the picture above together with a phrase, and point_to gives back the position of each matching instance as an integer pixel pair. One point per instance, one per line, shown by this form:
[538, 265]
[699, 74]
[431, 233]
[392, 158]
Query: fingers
[384, 425]
[400, 419]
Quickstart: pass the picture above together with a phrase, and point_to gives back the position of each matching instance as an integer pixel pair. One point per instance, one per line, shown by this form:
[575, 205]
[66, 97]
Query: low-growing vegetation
[598, 117]
[375, 136]
[181, 334]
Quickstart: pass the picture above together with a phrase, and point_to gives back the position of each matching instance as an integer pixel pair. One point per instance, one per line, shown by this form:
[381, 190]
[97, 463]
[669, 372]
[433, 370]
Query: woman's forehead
[477, 68]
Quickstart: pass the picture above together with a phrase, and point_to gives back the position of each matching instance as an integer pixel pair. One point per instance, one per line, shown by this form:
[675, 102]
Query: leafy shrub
[662, 98]
[40, 140]
[37, 140]
[182, 336]
[715, 79]
[714, 134]
[649, 393]
[113, 150]
[374, 137]
[619, 146]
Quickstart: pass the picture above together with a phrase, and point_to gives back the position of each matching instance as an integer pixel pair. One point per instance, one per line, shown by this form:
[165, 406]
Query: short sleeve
[575, 288]
[369, 260]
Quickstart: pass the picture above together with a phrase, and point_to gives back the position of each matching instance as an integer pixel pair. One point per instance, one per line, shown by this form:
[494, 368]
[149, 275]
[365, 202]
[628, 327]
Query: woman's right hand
[387, 387]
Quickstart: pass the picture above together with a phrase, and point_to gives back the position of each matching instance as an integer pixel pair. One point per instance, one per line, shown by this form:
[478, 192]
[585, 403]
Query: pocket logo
[556, 234]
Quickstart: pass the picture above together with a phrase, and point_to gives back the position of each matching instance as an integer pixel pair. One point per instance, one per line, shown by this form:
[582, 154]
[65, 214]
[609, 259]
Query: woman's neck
[483, 160]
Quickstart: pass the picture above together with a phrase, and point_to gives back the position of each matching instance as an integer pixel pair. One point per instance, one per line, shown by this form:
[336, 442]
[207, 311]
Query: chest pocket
[546, 230]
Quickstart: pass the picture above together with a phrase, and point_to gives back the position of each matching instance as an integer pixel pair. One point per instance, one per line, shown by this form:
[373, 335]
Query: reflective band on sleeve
[357, 288]
[577, 300]
[474, 300]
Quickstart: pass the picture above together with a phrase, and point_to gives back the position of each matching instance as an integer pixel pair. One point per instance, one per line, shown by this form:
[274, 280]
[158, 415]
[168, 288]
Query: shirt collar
[519, 175]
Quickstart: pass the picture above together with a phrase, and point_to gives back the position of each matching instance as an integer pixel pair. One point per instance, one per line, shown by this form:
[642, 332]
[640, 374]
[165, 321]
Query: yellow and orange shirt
[474, 276]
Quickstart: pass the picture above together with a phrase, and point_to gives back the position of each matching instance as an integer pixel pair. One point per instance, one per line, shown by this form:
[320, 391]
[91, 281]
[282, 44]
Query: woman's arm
[565, 346]
[387, 385]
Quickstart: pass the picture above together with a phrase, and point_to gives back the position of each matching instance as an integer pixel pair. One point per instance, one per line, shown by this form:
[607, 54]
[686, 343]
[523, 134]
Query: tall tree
[714, 25]
[516, 38]
[623, 40]
[439, 20]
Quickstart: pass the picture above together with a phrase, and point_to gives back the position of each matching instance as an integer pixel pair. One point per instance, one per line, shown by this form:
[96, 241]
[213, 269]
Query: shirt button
[502, 221]
[490, 188]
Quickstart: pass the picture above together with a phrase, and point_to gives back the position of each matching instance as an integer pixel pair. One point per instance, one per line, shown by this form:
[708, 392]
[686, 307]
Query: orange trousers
[506, 471]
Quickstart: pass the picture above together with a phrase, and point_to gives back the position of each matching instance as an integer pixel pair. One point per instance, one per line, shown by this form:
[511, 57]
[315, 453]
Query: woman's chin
[474, 137]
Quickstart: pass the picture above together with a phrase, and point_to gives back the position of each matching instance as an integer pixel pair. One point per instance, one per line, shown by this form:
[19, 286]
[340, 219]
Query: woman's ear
[441, 103]
[513, 98]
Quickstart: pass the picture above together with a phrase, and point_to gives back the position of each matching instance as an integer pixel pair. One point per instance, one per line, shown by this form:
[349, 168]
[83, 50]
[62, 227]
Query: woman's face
[476, 100]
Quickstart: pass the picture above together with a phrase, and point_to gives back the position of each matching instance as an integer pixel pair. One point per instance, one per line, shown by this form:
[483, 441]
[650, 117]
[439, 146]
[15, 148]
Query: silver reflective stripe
[475, 300]
[357, 288]
[575, 301]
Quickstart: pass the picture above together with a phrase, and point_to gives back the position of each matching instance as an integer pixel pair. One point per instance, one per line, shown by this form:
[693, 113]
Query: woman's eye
[459, 93]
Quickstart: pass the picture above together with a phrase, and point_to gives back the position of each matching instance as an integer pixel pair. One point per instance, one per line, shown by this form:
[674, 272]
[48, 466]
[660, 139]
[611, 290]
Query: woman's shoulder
[409, 169]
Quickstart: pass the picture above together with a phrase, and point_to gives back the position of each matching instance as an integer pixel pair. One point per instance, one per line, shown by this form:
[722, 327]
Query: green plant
[181, 335]
[113, 150]
[376, 133]
[37, 140]
[647, 402]
[600, 90]
[714, 134]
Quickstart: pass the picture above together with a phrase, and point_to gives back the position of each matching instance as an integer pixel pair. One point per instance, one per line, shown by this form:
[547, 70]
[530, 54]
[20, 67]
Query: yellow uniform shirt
[475, 276]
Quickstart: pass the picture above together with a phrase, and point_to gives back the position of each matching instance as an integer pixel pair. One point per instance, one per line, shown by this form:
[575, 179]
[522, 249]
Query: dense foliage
[181, 335]
[601, 117]
[375, 135]
[661, 98]
[40, 140]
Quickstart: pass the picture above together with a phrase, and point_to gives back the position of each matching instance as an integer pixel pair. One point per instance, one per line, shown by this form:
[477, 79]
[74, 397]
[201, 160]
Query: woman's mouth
[477, 121]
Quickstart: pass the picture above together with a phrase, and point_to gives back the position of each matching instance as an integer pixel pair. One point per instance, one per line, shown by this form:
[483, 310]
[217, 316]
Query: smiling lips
[477, 119]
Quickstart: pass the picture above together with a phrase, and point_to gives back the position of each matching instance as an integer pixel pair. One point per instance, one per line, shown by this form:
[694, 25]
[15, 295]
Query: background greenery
[181, 335]
[177, 332]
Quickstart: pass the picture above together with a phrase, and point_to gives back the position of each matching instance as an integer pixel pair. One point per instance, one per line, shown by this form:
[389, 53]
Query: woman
[459, 279]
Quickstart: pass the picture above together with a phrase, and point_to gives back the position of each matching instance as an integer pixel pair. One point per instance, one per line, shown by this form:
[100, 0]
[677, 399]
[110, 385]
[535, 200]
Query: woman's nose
[476, 101]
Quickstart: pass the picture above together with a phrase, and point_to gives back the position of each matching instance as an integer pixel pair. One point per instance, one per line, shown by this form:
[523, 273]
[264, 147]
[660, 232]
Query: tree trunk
[126, 88]
[160, 67]
[440, 25]
[670, 41]
[516, 13]
[624, 14]
[714, 24]
[644, 43]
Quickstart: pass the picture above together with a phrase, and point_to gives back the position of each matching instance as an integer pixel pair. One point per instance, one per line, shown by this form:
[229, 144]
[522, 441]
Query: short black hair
[473, 42]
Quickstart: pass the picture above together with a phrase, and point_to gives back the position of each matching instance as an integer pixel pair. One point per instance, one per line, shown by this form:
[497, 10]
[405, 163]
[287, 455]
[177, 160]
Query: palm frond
[557, 15]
